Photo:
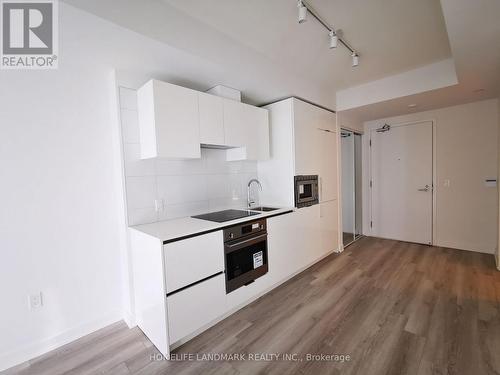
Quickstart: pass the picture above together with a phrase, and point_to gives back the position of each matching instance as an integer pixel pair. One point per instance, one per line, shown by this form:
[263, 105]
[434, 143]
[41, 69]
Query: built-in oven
[245, 250]
[306, 190]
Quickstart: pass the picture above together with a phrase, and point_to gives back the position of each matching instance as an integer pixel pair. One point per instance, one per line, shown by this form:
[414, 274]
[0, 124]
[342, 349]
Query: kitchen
[295, 186]
[219, 260]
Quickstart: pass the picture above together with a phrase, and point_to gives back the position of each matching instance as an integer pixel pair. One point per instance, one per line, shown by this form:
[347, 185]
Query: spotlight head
[302, 12]
[355, 59]
[334, 39]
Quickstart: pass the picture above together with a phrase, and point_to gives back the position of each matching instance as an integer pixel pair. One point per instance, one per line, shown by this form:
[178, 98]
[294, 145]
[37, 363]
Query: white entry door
[401, 182]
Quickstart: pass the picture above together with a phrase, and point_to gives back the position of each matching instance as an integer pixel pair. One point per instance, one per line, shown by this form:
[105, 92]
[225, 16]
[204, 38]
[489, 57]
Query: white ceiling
[391, 36]
[262, 39]
[474, 32]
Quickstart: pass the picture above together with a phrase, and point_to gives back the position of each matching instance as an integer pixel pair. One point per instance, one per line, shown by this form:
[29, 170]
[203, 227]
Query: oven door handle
[247, 241]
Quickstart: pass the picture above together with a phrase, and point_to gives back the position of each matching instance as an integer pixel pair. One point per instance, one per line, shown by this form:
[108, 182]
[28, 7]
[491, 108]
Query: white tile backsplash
[172, 211]
[130, 126]
[182, 188]
[186, 187]
[138, 216]
[167, 167]
[141, 191]
[225, 203]
[134, 166]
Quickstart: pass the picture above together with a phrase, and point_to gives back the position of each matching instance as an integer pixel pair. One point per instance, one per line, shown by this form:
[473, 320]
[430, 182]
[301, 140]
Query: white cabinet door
[307, 140]
[284, 246]
[329, 226]
[193, 259]
[168, 121]
[309, 144]
[235, 123]
[293, 242]
[193, 308]
[247, 129]
[211, 112]
[309, 235]
[328, 189]
[257, 125]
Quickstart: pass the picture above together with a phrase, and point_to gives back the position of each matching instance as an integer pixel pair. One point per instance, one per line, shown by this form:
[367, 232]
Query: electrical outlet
[159, 205]
[35, 301]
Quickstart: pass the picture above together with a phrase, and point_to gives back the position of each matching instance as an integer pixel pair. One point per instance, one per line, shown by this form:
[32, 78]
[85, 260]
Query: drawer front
[194, 307]
[192, 260]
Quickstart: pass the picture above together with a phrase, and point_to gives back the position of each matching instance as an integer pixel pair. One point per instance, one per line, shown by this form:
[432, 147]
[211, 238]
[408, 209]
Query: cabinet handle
[253, 239]
[320, 188]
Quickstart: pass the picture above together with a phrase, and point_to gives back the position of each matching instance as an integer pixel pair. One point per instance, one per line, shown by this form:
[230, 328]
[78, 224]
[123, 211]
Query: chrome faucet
[249, 202]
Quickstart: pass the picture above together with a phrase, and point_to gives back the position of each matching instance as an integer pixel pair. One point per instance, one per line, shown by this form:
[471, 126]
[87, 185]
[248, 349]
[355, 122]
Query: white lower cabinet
[282, 249]
[192, 308]
[193, 259]
[329, 226]
[294, 242]
[241, 295]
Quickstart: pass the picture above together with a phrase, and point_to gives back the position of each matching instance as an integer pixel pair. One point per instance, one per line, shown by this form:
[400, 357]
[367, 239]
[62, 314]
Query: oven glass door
[246, 260]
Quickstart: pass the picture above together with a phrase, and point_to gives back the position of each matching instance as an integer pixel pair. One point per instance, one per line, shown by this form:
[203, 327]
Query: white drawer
[194, 307]
[194, 259]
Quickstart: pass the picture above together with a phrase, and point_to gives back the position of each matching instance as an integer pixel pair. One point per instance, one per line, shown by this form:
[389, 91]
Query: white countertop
[170, 230]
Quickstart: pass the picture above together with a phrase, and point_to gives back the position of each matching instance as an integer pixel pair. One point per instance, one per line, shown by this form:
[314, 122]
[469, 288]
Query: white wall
[186, 187]
[58, 222]
[466, 150]
[62, 215]
[347, 122]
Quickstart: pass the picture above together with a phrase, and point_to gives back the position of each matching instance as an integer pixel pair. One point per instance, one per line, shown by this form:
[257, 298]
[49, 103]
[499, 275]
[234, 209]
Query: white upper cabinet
[316, 146]
[211, 112]
[235, 123]
[168, 121]
[174, 121]
[307, 138]
[247, 130]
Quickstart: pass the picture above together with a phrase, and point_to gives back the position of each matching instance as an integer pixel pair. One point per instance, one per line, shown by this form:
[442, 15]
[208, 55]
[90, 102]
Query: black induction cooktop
[226, 215]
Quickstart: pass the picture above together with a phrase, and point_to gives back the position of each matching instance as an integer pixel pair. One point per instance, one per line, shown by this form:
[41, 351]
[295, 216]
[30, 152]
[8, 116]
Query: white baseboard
[129, 319]
[462, 246]
[497, 260]
[35, 349]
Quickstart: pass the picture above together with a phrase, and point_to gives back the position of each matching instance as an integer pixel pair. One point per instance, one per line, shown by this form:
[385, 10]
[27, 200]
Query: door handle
[426, 188]
[320, 195]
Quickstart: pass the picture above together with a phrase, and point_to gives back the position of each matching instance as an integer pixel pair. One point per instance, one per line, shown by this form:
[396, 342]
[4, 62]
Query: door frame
[339, 180]
[367, 173]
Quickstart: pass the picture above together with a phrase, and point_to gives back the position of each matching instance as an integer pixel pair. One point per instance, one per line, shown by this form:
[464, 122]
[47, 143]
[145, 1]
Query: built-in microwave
[306, 190]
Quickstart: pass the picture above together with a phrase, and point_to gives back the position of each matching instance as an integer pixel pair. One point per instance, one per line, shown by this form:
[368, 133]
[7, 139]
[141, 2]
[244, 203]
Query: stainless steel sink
[263, 209]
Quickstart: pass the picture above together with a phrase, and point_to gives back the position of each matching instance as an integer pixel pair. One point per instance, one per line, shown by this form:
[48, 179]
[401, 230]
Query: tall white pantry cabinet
[304, 140]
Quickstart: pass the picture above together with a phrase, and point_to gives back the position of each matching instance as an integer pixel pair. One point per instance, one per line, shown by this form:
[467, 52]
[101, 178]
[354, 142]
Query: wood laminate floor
[392, 307]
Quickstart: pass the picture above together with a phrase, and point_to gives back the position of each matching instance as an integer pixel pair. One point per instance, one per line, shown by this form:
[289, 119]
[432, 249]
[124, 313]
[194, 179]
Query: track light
[336, 36]
[302, 12]
[334, 39]
[355, 59]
